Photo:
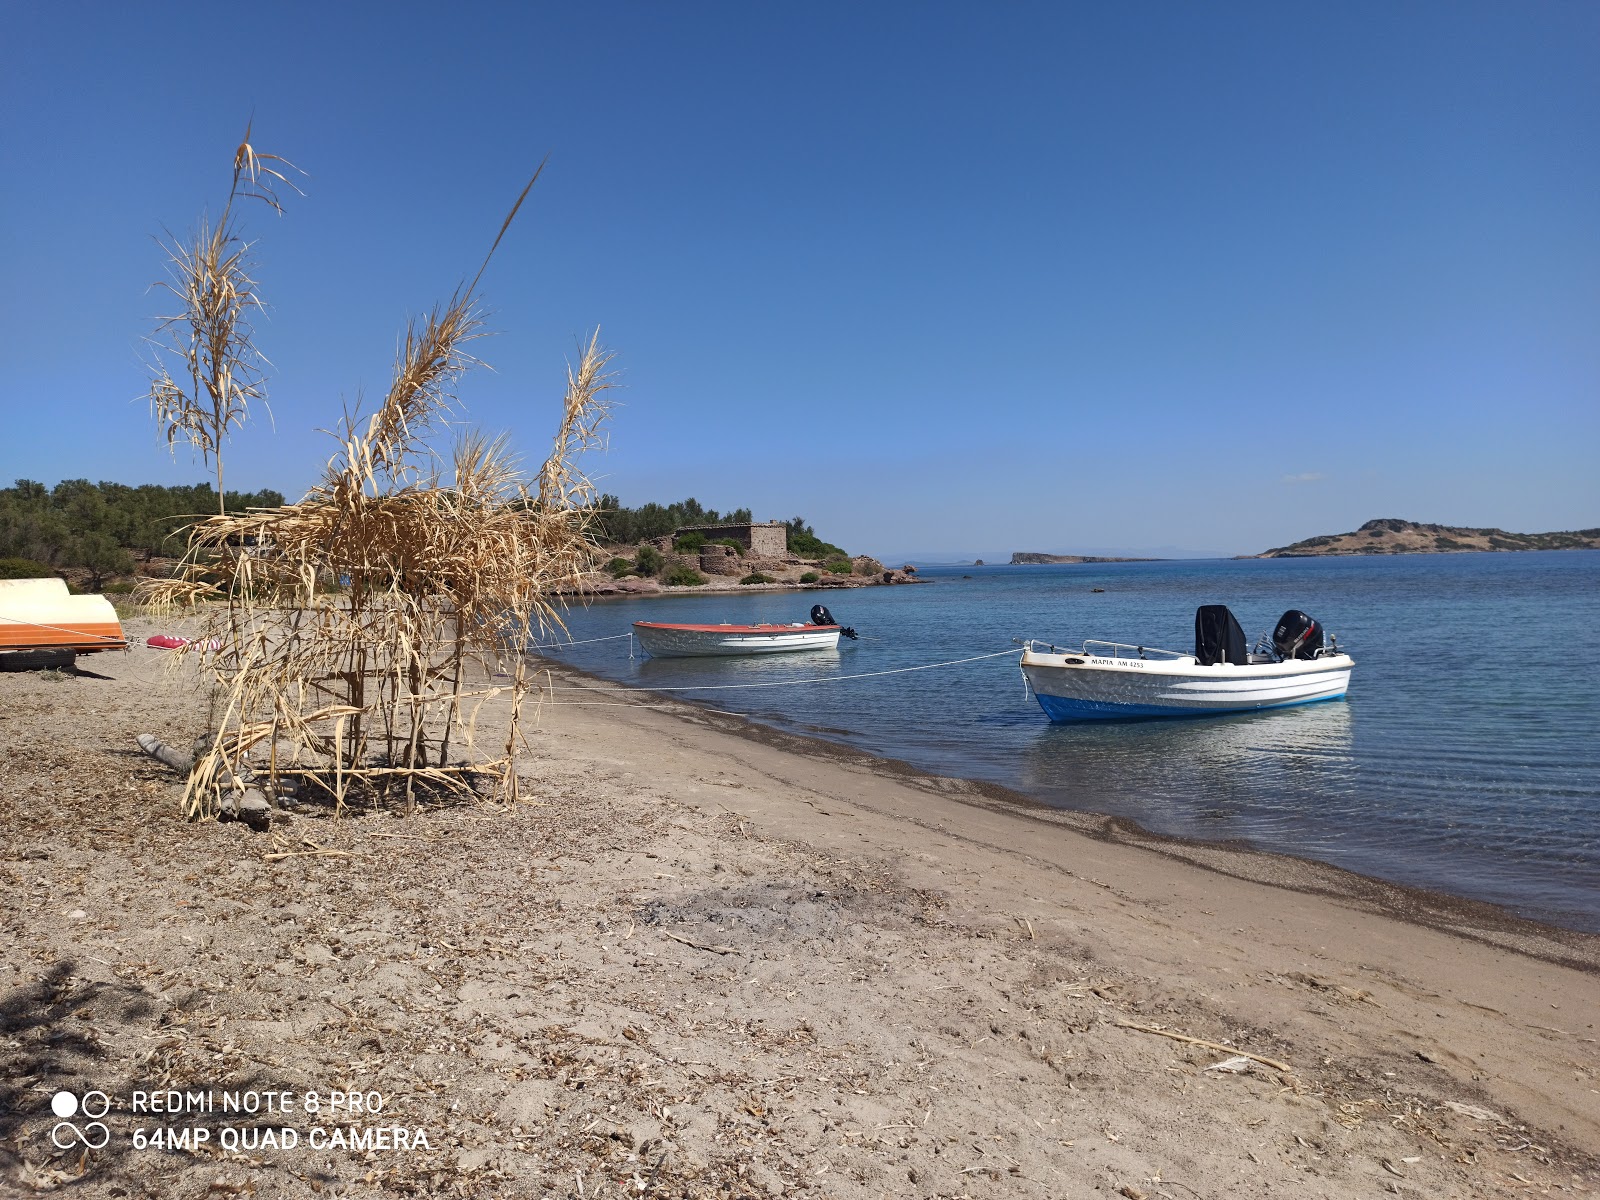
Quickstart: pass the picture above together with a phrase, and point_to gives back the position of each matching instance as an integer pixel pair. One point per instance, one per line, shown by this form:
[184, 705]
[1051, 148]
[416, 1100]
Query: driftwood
[314, 851]
[163, 753]
[241, 803]
[1194, 1041]
[251, 807]
[699, 945]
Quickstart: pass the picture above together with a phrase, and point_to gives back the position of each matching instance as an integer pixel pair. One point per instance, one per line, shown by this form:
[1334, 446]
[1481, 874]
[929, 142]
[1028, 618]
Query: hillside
[1028, 557]
[1390, 535]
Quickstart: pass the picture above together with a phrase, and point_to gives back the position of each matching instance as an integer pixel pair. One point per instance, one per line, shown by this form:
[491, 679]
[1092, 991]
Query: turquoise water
[1465, 760]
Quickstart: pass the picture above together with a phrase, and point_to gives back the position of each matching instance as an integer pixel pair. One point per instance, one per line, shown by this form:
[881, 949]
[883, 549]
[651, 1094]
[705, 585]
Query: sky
[948, 280]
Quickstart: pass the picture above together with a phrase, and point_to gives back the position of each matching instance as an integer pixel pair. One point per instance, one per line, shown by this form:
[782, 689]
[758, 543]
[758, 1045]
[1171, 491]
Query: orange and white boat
[39, 614]
[663, 640]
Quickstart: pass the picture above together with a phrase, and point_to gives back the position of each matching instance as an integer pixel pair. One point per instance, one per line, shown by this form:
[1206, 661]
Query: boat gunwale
[1185, 666]
[767, 629]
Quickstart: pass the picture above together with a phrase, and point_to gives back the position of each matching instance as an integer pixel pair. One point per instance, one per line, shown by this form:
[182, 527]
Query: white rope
[584, 642]
[719, 687]
[629, 704]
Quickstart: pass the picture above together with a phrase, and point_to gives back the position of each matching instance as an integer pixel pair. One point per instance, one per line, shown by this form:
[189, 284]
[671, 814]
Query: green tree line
[616, 525]
[621, 526]
[100, 527]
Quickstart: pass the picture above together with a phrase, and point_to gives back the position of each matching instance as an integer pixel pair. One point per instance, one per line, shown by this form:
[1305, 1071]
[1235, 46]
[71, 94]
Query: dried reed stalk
[354, 618]
[210, 339]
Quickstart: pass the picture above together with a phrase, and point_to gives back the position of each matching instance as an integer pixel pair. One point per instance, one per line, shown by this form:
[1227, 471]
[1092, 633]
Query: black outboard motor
[821, 616]
[1297, 636]
[1217, 637]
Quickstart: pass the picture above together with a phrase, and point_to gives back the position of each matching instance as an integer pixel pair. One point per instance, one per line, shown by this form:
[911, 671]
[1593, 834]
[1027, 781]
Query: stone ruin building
[762, 539]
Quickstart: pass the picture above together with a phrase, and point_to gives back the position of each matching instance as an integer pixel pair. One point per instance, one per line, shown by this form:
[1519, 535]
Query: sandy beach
[708, 959]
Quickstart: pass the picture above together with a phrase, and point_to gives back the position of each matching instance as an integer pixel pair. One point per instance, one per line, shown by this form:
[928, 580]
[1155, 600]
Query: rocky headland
[1028, 558]
[1390, 535]
[660, 565]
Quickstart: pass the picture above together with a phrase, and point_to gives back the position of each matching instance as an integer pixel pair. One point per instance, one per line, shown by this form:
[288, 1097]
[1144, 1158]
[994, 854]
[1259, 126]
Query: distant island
[1390, 535]
[1027, 558]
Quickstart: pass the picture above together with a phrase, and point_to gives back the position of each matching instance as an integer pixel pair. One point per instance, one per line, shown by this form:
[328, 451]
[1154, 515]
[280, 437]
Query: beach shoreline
[721, 959]
[1442, 911]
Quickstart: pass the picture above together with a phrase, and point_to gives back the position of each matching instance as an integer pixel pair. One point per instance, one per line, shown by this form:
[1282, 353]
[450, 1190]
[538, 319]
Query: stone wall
[720, 560]
[768, 566]
[770, 540]
[767, 539]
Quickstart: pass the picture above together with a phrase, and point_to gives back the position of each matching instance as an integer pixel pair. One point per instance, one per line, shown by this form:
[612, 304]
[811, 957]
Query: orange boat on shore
[39, 614]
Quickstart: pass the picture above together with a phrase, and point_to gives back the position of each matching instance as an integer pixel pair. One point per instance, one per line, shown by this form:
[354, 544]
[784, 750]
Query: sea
[1465, 759]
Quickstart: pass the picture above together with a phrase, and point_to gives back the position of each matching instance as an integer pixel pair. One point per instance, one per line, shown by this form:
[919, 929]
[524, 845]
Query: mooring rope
[582, 642]
[719, 687]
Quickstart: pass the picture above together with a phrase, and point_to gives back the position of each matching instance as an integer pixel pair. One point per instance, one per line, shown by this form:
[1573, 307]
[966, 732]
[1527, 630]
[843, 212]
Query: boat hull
[1078, 687]
[39, 615]
[717, 641]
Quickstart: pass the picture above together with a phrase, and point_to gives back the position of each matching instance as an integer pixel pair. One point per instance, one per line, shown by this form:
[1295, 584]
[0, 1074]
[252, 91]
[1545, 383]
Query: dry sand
[712, 960]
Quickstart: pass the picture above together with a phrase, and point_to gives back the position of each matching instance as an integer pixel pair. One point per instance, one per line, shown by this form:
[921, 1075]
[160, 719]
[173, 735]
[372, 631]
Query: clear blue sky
[949, 280]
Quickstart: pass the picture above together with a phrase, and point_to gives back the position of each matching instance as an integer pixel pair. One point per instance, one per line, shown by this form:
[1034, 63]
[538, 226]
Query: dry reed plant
[351, 634]
[211, 340]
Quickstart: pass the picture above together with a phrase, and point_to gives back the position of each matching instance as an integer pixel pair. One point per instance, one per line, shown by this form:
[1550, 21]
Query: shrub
[682, 576]
[24, 568]
[689, 543]
[810, 577]
[618, 567]
[757, 577]
[738, 546]
[117, 589]
[803, 540]
[649, 561]
[838, 566]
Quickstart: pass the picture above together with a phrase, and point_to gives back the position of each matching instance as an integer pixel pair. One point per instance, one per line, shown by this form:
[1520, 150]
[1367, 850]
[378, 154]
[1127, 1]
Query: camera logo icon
[94, 1134]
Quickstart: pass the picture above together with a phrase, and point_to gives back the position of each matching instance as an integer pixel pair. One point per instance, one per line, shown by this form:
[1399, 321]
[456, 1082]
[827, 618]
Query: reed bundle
[349, 634]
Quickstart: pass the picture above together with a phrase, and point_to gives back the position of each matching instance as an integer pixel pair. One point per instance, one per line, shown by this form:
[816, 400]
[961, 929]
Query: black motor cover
[1297, 635]
[1217, 636]
[821, 616]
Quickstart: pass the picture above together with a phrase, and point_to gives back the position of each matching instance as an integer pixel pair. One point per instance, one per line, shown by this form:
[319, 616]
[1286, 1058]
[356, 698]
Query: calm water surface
[1466, 758]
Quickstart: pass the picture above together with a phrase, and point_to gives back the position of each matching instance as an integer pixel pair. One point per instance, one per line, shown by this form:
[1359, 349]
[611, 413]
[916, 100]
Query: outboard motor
[1217, 637]
[821, 616]
[1297, 636]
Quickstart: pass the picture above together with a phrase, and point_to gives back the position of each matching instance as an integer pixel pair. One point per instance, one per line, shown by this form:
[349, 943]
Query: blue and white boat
[1118, 681]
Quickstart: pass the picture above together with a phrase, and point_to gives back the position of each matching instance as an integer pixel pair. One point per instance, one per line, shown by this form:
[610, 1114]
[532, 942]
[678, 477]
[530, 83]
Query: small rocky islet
[1385, 535]
[1391, 535]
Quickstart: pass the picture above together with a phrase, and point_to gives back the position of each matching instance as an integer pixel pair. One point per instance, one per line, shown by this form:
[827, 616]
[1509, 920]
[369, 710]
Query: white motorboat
[663, 640]
[1113, 680]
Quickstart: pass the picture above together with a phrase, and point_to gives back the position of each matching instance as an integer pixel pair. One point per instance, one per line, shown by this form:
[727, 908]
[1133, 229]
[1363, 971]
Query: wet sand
[710, 959]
